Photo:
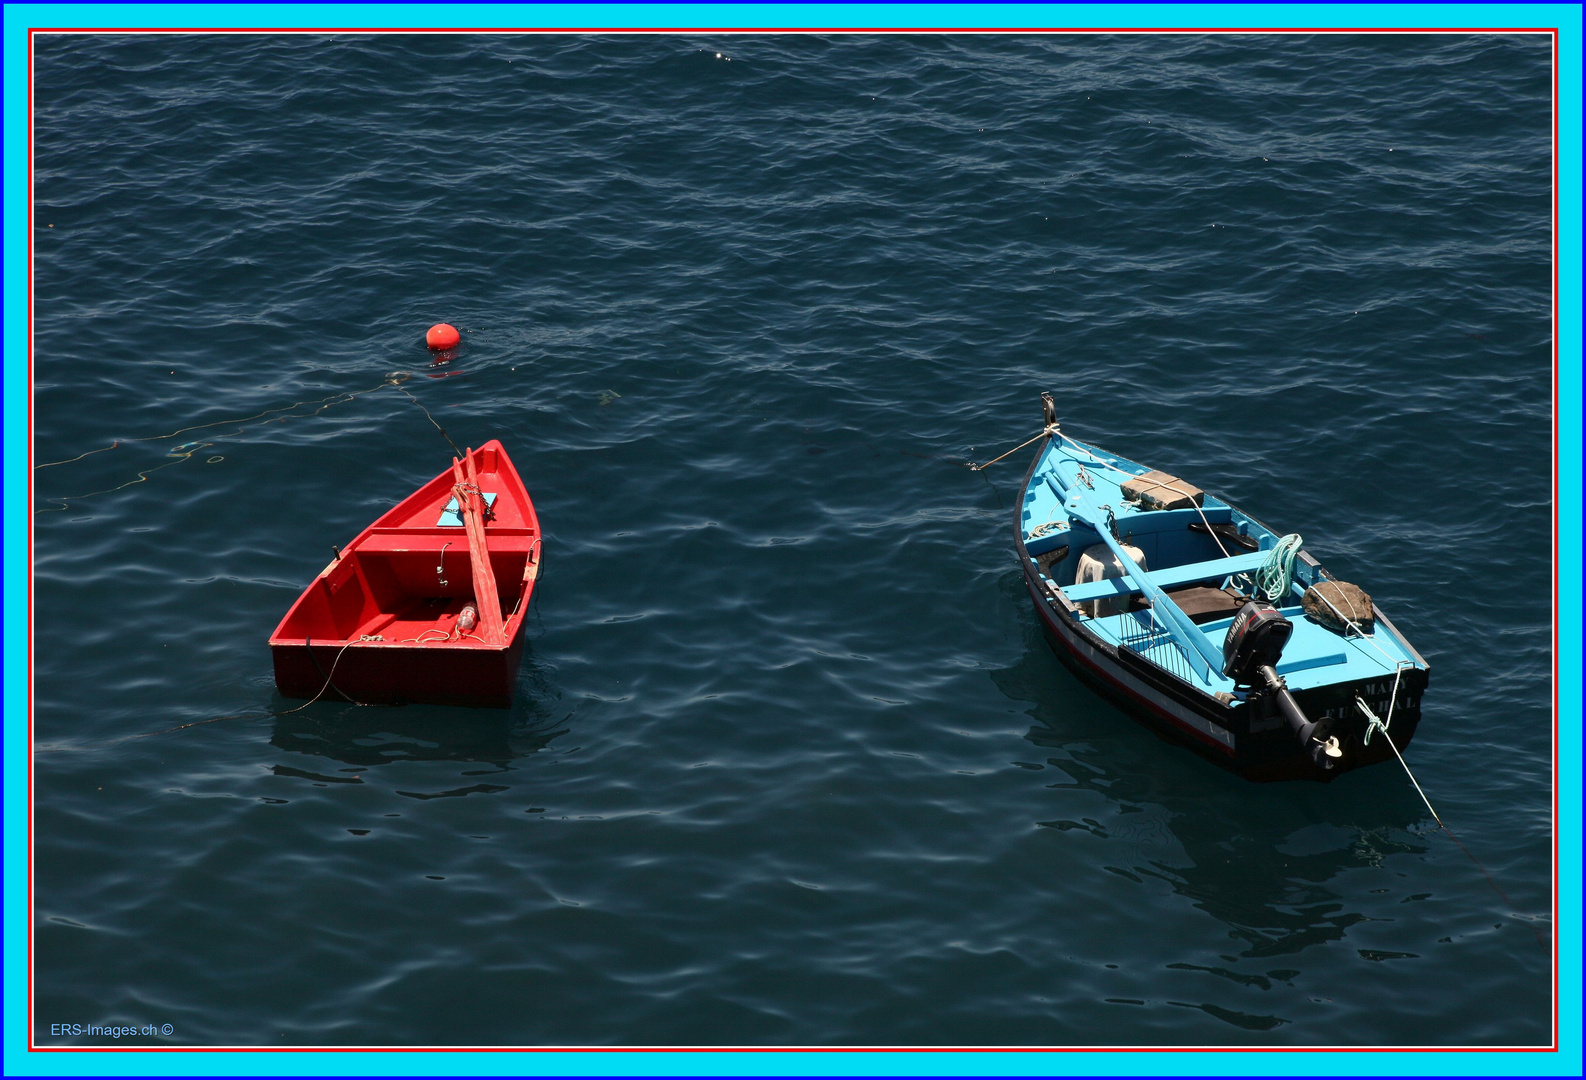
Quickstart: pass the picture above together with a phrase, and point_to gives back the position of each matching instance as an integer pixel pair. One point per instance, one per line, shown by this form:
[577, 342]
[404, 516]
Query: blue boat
[1209, 627]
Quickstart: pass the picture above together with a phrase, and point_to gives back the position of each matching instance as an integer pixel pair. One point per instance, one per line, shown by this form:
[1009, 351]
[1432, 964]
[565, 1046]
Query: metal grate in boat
[1153, 641]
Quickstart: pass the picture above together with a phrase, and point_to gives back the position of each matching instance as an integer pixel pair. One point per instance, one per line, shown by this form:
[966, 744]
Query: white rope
[1393, 701]
[1170, 487]
[1378, 723]
[1485, 873]
[1364, 637]
[1322, 596]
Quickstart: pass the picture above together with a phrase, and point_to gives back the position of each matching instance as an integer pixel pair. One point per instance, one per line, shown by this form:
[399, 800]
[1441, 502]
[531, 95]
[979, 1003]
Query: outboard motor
[1250, 655]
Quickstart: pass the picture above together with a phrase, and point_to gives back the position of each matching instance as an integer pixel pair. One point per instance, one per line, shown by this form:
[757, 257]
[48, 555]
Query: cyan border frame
[15, 570]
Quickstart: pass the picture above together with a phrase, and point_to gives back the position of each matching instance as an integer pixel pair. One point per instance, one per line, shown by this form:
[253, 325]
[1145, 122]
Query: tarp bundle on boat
[1157, 490]
[1337, 604]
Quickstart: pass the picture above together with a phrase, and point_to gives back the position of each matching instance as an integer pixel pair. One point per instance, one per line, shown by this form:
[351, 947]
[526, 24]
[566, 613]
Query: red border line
[880, 1049]
[1554, 926]
[32, 502]
[652, 31]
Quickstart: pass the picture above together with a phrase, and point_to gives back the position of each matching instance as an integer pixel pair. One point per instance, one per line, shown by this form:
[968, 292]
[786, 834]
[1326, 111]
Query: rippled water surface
[789, 760]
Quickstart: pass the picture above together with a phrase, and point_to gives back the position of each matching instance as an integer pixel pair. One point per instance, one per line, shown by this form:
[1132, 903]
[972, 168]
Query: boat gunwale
[1070, 606]
[1069, 609]
[512, 622]
[1121, 673]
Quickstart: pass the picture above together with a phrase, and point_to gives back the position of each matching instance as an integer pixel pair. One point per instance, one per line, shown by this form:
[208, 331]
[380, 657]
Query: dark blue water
[789, 761]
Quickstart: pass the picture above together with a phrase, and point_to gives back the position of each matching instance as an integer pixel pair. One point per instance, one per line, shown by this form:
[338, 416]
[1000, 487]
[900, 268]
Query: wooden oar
[1202, 657]
[470, 505]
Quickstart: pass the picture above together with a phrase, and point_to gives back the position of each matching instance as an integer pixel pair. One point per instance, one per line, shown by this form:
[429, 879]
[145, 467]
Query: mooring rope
[325, 403]
[268, 713]
[980, 468]
[1374, 722]
[426, 412]
[185, 451]
[143, 474]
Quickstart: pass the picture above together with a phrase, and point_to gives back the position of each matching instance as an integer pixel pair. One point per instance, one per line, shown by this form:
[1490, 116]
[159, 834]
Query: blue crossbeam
[1082, 504]
[1171, 577]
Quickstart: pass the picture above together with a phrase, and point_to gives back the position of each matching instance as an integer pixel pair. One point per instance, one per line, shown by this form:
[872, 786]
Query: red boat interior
[406, 578]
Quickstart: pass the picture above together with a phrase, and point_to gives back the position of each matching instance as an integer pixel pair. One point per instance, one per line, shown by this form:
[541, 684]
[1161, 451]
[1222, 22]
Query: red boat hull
[379, 625]
[380, 674]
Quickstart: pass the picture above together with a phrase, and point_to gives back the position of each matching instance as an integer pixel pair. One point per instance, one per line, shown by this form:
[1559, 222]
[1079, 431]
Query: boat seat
[1203, 604]
[1169, 577]
[499, 538]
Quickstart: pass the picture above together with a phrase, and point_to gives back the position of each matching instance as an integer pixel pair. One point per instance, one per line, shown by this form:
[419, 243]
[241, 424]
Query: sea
[789, 762]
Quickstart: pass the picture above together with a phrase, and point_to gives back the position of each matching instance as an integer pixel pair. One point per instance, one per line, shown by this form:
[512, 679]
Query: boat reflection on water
[363, 737]
[1265, 860]
[368, 737]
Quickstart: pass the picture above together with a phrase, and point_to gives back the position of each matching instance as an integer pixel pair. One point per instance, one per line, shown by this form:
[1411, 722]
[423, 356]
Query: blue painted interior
[450, 516]
[1058, 497]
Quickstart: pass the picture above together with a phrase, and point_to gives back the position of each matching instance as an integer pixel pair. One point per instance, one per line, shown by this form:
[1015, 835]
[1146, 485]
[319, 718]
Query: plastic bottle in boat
[467, 619]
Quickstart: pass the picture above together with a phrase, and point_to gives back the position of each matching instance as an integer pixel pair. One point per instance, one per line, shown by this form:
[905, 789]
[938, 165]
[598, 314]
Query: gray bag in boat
[1335, 604]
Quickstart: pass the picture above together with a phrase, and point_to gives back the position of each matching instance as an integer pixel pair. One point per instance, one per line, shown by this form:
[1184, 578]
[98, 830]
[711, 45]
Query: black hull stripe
[1068, 635]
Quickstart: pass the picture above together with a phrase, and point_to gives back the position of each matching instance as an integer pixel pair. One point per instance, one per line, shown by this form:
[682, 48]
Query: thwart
[427, 604]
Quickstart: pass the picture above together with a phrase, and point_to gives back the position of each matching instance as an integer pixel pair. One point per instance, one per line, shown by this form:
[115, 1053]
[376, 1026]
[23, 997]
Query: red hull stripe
[1178, 722]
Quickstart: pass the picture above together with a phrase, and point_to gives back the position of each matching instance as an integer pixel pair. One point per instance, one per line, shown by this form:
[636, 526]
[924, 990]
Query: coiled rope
[1274, 578]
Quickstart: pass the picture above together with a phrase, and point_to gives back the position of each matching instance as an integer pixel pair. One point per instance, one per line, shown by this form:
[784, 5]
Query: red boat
[426, 604]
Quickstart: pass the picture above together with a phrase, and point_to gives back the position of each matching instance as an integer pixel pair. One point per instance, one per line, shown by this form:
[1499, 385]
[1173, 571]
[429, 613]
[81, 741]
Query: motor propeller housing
[1251, 652]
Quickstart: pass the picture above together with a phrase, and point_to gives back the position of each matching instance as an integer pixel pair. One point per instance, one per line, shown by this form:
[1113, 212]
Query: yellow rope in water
[65, 502]
[187, 450]
[332, 399]
[218, 719]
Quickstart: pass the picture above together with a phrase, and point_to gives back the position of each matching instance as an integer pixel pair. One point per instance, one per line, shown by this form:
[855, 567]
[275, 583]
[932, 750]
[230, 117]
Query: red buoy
[442, 336]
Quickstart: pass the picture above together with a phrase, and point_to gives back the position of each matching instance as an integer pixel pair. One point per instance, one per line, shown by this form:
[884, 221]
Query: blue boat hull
[1249, 736]
[1259, 748]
